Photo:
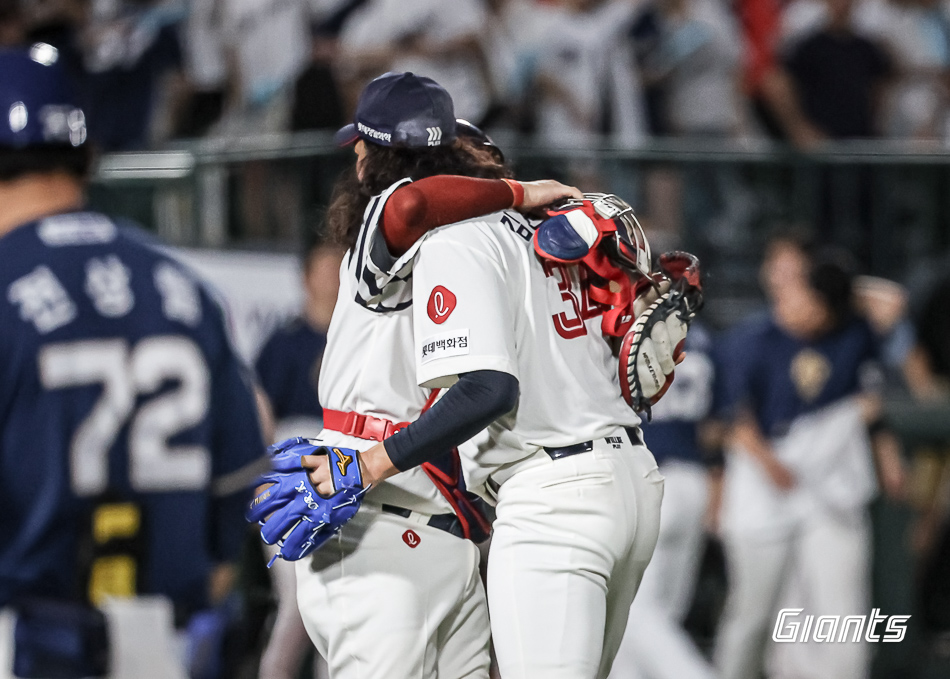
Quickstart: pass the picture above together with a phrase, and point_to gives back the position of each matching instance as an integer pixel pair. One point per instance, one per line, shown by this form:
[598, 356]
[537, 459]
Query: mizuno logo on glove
[342, 460]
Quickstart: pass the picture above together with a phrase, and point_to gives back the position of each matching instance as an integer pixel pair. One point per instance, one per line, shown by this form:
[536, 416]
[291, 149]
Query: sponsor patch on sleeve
[445, 344]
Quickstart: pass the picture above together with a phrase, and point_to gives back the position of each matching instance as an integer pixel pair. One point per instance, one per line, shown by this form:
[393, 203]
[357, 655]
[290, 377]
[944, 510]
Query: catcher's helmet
[37, 104]
[466, 129]
[620, 233]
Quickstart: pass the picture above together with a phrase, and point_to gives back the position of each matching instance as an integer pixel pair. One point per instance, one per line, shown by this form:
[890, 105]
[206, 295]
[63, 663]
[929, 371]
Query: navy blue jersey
[779, 377]
[288, 368]
[121, 402]
[671, 434]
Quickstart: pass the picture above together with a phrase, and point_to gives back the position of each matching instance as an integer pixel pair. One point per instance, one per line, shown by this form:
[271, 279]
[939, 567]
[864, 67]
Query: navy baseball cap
[37, 103]
[402, 109]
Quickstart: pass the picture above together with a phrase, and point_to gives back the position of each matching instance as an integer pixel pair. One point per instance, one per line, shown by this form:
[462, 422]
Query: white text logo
[791, 627]
[375, 134]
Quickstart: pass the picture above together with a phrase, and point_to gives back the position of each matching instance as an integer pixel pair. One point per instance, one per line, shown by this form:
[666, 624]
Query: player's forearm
[470, 405]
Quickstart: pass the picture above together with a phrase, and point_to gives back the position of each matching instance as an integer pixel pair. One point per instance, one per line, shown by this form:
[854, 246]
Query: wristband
[517, 191]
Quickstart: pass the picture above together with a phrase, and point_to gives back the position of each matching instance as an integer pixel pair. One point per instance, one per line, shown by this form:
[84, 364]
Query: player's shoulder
[502, 229]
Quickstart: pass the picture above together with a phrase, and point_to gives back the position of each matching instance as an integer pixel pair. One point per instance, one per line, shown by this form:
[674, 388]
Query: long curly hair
[385, 165]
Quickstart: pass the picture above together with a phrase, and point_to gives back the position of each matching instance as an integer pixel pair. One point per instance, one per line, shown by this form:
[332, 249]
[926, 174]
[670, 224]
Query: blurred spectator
[289, 362]
[511, 29]
[12, 31]
[839, 75]
[425, 37]
[800, 470]
[697, 60]
[767, 83]
[655, 645]
[695, 65]
[268, 46]
[586, 75]
[318, 98]
[129, 47]
[206, 70]
[917, 36]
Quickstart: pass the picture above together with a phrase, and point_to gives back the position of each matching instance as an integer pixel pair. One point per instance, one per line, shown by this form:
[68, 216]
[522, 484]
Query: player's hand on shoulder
[292, 512]
[544, 192]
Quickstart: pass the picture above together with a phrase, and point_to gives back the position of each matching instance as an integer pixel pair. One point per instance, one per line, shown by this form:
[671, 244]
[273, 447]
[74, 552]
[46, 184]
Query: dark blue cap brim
[346, 135]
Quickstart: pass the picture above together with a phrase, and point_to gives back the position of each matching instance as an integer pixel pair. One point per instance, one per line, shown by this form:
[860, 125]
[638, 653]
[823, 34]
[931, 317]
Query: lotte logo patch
[411, 538]
[441, 304]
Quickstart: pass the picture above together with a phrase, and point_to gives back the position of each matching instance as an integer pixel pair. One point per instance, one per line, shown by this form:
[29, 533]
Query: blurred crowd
[569, 71]
[575, 73]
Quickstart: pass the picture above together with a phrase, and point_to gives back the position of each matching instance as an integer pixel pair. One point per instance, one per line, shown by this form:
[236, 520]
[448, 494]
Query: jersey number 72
[125, 373]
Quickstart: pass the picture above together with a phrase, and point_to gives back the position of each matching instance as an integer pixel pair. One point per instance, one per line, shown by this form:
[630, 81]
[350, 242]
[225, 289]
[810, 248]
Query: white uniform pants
[822, 567]
[571, 541]
[289, 642]
[655, 645]
[389, 598]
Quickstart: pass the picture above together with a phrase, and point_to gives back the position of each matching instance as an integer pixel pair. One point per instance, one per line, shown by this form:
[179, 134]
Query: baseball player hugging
[521, 323]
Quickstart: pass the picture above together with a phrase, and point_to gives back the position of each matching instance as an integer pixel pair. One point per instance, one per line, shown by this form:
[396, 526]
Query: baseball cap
[402, 109]
[37, 102]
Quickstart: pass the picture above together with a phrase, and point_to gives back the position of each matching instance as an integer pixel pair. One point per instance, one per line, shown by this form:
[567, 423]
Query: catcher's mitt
[650, 350]
[291, 512]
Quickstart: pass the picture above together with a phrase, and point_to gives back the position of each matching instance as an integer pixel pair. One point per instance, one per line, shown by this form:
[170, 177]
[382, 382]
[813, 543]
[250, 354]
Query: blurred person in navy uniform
[800, 386]
[684, 442]
[288, 365]
[127, 423]
[288, 368]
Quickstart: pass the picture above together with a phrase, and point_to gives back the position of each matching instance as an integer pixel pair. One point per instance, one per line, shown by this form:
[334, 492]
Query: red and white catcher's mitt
[650, 350]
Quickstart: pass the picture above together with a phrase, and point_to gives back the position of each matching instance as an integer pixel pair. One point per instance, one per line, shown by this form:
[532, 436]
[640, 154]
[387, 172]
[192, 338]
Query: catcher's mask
[621, 235]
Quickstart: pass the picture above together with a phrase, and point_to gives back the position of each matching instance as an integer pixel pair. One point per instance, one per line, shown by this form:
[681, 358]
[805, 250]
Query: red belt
[361, 426]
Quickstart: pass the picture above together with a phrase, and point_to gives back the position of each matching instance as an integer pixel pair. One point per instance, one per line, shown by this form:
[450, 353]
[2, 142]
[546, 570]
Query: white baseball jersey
[367, 366]
[483, 302]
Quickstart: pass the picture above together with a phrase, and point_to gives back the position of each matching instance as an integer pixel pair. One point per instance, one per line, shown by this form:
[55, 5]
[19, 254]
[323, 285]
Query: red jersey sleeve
[421, 206]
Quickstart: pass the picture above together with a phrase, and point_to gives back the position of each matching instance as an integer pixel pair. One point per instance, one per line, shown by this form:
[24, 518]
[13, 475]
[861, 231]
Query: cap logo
[375, 134]
[435, 135]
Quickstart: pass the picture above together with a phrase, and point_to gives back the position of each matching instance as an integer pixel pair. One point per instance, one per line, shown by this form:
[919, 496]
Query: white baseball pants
[655, 645]
[822, 566]
[379, 603]
[571, 541]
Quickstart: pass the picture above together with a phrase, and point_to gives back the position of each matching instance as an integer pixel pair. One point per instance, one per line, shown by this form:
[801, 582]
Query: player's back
[120, 401]
[568, 375]
[366, 369]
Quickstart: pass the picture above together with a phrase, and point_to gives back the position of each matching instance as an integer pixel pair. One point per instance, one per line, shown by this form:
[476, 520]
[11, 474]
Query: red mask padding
[610, 285]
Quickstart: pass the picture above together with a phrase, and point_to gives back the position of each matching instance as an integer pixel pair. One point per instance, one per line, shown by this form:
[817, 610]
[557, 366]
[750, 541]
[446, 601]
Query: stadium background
[215, 119]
